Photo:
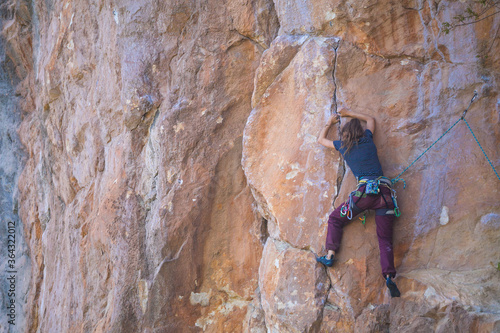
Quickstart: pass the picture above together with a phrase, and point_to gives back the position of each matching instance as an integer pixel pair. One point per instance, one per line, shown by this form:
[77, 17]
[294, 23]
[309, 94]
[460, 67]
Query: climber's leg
[385, 224]
[336, 223]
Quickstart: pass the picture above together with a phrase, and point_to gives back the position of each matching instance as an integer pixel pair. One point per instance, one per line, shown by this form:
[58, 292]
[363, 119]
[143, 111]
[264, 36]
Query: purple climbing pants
[336, 223]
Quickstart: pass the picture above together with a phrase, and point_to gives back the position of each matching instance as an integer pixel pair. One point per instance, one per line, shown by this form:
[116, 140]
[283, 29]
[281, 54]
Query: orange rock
[167, 142]
[293, 288]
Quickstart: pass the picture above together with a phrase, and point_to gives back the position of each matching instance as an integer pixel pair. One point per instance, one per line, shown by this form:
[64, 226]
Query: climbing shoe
[392, 287]
[325, 261]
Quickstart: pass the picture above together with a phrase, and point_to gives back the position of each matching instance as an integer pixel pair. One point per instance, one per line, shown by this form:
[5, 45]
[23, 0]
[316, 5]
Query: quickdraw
[395, 202]
[346, 208]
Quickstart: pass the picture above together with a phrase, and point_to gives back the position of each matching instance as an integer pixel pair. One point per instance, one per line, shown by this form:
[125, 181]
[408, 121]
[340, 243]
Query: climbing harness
[371, 187]
[398, 177]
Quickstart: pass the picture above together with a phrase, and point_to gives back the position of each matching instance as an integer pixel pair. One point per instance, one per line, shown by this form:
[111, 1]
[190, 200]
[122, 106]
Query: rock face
[298, 197]
[173, 183]
[15, 259]
[293, 288]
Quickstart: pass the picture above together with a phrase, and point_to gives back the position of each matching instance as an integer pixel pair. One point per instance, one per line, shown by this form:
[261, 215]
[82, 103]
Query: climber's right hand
[334, 119]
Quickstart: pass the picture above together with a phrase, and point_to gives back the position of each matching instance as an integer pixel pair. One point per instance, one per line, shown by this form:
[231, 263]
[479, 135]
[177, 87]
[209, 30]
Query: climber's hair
[351, 133]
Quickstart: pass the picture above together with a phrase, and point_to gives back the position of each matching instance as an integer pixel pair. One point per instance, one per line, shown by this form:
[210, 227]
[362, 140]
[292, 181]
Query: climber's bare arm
[322, 140]
[370, 121]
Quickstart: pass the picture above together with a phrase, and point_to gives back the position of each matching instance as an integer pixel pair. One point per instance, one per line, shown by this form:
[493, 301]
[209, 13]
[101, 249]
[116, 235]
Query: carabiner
[343, 210]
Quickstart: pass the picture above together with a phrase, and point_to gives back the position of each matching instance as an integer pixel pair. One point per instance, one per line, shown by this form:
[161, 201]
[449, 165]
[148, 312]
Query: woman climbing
[373, 191]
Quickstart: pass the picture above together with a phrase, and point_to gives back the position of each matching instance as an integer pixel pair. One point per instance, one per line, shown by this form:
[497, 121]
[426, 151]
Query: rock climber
[373, 190]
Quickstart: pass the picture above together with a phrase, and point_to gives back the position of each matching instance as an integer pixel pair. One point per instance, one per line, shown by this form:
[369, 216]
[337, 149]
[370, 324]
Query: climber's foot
[393, 289]
[325, 261]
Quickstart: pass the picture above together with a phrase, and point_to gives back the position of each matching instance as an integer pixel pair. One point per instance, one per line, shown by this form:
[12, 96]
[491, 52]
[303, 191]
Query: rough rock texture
[173, 182]
[14, 256]
[293, 288]
[139, 215]
[298, 197]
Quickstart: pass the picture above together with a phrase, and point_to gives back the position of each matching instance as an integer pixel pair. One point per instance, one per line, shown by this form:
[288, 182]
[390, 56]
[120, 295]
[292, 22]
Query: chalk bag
[372, 186]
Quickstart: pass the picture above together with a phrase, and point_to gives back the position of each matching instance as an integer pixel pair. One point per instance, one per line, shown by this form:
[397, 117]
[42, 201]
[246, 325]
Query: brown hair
[351, 133]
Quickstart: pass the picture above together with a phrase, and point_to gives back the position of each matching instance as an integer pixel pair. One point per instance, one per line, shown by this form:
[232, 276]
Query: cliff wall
[173, 182]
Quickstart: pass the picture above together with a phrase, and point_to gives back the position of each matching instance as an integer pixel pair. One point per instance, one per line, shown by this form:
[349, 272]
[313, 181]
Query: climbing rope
[397, 178]
[491, 164]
